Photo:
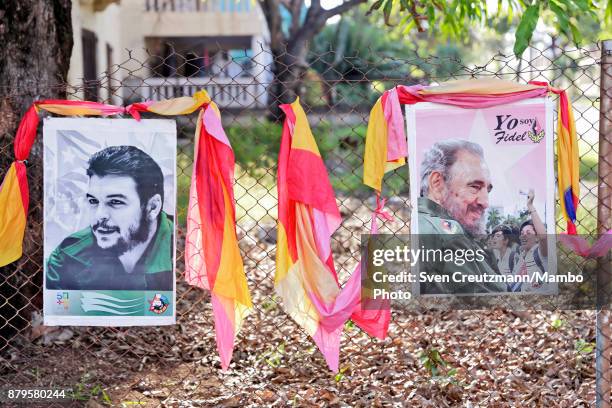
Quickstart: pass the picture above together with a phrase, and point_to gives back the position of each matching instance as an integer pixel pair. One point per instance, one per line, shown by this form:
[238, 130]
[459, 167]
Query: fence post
[604, 223]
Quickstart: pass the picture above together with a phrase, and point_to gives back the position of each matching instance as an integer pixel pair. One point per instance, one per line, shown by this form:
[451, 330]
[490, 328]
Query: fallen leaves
[497, 358]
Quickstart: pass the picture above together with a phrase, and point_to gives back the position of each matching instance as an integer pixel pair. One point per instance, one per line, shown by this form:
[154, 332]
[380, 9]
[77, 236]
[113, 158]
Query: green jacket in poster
[438, 230]
[78, 263]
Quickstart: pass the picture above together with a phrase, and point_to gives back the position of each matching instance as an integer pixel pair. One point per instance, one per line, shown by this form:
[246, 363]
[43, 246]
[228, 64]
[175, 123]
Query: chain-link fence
[485, 358]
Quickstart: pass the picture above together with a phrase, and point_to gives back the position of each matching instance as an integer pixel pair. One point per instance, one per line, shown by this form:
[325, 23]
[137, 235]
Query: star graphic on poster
[503, 167]
[68, 156]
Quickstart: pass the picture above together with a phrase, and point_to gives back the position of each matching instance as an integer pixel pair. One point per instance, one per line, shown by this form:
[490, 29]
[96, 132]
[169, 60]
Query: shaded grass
[588, 168]
[255, 195]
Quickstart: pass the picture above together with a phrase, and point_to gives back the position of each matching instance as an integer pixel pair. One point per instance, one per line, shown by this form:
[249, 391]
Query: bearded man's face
[466, 195]
[117, 217]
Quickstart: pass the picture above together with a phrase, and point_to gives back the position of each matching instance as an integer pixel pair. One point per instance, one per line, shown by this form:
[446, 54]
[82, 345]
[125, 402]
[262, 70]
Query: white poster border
[51, 125]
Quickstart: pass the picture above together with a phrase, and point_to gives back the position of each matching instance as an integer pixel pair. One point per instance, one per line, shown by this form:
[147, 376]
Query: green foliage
[583, 347]
[274, 355]
[588, 168]
[256, 149]
[494, 219]
[525, 29]
[447, 63]
[432, 361]
[438, 369]
[453, 18]
[340, 375]
[557, 324]
[358, 46]
[256, 145]
[313, 93]
[584, 352]
[514, 221]
[353, 56]
[84, 391]
[270, 304]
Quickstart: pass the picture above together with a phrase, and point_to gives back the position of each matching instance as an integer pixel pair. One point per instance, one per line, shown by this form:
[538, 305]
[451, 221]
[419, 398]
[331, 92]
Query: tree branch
[316, 18]
[295, 8]
[313, 11]
[342, 8]
[416, 16]
[271, 11]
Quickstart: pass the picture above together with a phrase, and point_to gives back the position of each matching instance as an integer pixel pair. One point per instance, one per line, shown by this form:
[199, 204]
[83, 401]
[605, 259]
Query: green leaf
[562, 5]
[431, 14]
[340, 375]
[510, 12]
[410, 26]
[557, 324]
[387, 12]
[525, 29]
[576, 35]
[583, 5]
[561, 17]
[106, 398]
[375, 6]
[584, 347]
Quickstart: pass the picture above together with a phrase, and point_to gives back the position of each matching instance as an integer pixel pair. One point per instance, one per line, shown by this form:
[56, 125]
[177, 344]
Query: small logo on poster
[159, 304]
[536, 133]
[510, 129]
[449, 228]
[63, 299]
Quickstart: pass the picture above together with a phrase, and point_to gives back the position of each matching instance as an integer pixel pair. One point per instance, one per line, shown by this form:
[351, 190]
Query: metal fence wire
[485, 358]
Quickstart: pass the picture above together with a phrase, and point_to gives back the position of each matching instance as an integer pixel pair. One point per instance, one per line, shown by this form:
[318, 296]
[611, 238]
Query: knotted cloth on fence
[306, 278]
[212, 256]
[14, 190]
[213, 261]
[386, 141]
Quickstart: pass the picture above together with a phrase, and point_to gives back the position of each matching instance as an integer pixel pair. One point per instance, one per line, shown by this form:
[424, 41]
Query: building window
[90, 62]
[109, 73]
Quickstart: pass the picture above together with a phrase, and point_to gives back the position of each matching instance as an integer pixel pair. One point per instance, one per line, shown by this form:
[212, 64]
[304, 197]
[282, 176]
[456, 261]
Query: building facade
[157, 49]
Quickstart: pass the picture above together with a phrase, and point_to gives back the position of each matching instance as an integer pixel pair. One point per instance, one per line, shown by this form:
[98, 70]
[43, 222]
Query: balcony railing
[202, 6]
[242, 92]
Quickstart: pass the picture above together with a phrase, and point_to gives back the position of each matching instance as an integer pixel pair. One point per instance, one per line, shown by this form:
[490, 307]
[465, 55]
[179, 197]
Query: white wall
[137, 24]
[126, 25]
[105, 25]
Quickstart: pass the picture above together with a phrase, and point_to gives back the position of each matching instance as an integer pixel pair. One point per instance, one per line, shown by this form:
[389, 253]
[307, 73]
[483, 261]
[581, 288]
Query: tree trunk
[36, 38]
[289, 70]
[289, 50]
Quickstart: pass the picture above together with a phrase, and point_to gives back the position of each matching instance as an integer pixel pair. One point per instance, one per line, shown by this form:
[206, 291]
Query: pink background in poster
[514, 166]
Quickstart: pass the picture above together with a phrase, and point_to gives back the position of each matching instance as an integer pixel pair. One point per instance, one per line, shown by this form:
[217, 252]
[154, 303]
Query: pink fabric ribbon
[581, 247]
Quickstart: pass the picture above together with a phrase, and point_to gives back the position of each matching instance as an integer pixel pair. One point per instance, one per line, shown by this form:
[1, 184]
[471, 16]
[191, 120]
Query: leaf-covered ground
[489, 358]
